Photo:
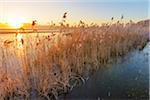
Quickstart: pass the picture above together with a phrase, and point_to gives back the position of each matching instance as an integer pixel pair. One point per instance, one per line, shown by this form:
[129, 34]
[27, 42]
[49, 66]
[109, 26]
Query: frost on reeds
[48, 66]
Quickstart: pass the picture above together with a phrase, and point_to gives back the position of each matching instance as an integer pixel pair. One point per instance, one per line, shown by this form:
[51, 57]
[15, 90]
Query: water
[128, 79]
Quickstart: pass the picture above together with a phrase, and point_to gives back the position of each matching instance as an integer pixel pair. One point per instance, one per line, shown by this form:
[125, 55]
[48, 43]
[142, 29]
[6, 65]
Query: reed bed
[44, 67]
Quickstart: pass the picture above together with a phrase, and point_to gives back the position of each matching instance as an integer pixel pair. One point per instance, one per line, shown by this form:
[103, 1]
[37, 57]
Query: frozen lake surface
[128, 79]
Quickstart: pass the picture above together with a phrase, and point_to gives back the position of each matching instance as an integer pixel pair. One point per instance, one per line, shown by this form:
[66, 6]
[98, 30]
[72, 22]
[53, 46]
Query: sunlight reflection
[19, 41]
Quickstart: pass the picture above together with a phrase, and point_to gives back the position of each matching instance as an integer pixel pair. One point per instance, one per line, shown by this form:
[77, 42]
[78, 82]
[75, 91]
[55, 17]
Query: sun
[16, 22]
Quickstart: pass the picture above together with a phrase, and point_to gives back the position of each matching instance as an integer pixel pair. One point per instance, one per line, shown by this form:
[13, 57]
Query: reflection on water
[19, 40]
[128, 79]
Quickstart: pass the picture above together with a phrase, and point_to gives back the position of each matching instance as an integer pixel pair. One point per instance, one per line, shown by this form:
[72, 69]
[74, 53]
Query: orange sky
[94, 11]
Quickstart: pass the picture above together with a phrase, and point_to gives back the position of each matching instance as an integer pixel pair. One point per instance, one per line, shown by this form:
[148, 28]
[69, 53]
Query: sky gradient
[89, 11]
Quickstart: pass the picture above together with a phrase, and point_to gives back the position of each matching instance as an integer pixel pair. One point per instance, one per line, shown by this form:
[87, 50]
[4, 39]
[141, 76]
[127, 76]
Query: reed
[48, 66]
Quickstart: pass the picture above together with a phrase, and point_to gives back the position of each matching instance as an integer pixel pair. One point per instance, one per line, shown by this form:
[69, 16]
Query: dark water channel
[128, 79]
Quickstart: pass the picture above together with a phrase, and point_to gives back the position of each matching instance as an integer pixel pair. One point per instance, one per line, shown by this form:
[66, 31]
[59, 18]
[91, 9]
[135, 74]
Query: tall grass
[48, 66]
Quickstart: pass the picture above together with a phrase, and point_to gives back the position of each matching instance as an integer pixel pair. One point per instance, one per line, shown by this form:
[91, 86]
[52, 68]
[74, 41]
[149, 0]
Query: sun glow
[16, 22]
